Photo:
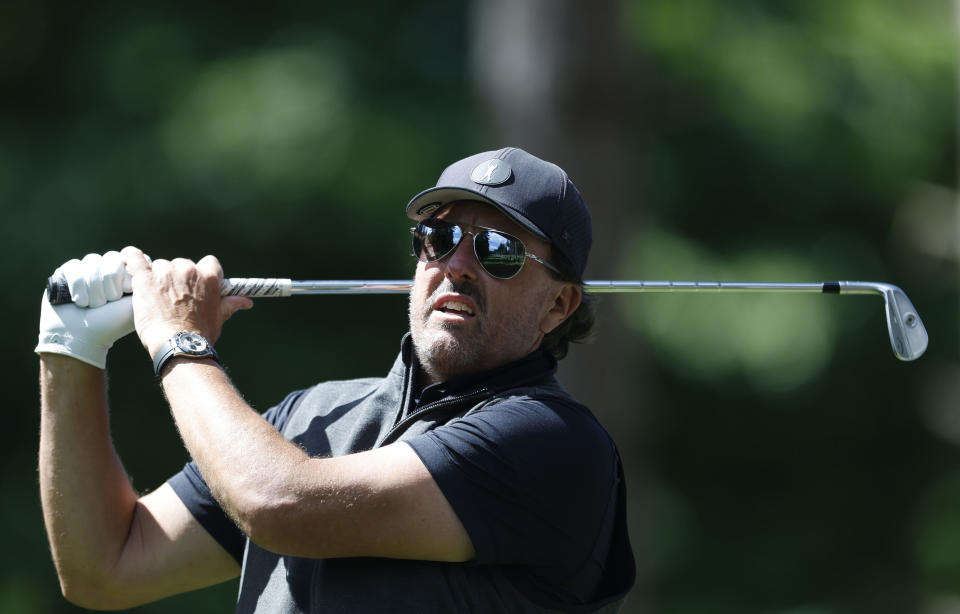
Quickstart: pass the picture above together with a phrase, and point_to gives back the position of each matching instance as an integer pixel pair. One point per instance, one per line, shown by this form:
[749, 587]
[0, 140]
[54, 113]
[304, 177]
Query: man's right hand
[99, 315]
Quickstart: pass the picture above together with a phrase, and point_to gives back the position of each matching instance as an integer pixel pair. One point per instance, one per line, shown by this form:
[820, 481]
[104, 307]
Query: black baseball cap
[535, 193]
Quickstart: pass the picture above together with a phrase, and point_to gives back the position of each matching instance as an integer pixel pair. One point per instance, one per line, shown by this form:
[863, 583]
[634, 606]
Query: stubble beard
[447, 349]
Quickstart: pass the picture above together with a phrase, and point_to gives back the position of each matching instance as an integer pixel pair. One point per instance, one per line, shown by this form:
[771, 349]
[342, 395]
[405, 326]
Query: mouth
[458, 306]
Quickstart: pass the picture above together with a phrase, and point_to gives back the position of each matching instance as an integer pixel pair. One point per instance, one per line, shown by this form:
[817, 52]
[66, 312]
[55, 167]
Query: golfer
[465, 480]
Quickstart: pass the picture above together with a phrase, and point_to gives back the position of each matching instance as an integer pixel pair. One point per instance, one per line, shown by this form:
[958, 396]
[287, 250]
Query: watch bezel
[192, 338]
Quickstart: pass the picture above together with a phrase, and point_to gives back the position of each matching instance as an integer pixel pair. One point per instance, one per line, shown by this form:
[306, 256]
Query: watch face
[192, 343]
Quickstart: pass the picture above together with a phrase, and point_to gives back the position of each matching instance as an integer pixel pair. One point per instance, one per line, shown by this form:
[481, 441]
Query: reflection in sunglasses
[500, 254]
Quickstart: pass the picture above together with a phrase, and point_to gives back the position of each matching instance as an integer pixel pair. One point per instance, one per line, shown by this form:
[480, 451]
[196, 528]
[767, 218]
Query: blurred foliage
[798, 142]
[816, 116]
[776, 341]
[797, 467]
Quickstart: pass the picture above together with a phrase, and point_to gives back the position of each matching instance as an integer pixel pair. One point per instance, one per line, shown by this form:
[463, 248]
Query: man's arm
[383, 502]
[111, 548]
[380, 503]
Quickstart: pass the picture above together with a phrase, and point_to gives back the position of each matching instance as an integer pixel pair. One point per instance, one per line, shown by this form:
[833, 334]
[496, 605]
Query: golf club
[908, 337]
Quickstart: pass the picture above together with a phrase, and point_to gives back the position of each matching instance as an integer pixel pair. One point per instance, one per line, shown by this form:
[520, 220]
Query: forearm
[88, 500]
[245, 461]
[112, 549]
[381, 503]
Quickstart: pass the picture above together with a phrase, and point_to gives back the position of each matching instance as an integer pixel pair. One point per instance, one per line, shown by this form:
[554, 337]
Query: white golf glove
[100, 313]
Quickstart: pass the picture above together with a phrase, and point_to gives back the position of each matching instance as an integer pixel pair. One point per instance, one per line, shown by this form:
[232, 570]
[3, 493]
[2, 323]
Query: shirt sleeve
[195, 494]
[532, 482]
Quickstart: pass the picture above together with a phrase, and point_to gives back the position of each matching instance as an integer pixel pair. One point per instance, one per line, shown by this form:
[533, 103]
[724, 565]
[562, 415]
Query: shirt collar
[536, 367]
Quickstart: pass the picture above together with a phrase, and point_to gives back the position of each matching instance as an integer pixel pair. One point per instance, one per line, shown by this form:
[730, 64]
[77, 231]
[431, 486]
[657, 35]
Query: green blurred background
[780, 459]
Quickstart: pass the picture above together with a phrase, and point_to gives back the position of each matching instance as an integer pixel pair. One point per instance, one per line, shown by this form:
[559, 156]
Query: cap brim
[418, 208]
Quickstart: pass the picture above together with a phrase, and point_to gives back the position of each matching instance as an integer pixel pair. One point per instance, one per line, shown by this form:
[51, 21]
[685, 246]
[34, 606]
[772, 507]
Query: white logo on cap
[491, 172]
[491, 166]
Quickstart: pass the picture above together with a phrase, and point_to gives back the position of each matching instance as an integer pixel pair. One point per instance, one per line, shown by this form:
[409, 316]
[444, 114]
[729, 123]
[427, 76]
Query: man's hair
[579, 326]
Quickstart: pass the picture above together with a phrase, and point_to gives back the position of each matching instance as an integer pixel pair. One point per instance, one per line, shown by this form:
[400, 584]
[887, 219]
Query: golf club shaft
[59, 292]
[908, 337]
[257, 287]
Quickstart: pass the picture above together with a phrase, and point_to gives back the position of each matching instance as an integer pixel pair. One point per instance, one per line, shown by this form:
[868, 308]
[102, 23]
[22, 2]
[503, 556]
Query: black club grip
[58, 290]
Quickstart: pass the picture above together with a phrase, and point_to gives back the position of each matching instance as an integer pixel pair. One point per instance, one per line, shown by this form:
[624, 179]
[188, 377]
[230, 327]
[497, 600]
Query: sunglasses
[501, 255]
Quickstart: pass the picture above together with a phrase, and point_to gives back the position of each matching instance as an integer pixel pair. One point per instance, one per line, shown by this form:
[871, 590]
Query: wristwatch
[185, 343]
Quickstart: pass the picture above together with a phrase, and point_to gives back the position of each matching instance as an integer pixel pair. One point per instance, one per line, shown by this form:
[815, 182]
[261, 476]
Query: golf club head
[908, 337]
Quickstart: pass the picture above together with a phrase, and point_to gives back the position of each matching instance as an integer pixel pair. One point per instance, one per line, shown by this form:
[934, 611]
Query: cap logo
[491, 172]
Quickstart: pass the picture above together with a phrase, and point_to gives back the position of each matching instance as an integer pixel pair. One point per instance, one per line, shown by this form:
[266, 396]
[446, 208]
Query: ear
[565, 301]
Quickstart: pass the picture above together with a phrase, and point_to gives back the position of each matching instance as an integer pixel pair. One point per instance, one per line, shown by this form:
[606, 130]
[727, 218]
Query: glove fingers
[94, 278]
[113, 272]
[72, 271]
[100, 313]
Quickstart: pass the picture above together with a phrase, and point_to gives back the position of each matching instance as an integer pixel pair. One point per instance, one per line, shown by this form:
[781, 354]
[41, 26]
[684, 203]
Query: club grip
[255, 286]
[59, 291]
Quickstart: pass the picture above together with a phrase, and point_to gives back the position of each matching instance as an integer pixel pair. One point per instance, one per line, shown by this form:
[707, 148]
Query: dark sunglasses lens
[431, 242]
[501, 255]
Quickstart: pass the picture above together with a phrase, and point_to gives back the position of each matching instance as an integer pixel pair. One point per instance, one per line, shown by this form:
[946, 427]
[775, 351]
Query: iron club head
[908, 337]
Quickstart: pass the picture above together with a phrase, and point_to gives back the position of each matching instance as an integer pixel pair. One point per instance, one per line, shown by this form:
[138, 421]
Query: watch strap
[171, 349]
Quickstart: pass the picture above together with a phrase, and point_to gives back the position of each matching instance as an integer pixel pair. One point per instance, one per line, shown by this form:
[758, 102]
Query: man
[466, 480]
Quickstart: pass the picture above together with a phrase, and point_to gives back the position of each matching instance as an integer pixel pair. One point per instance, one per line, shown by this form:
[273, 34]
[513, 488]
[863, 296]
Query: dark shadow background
[780, 458]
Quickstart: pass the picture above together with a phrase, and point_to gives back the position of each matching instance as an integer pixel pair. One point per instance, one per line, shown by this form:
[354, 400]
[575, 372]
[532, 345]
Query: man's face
[462, 319]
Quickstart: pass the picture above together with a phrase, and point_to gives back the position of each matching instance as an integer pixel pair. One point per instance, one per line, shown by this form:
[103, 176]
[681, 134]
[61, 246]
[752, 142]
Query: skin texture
[114, 549]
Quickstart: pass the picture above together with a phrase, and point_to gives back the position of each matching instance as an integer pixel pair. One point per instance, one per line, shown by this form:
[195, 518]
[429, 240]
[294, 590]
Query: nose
[462, 263]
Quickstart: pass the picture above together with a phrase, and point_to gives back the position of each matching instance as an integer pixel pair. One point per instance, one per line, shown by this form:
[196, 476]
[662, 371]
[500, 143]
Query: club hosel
[865, 287]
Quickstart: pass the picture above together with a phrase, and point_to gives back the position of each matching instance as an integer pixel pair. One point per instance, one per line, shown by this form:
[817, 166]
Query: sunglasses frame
[478, 230]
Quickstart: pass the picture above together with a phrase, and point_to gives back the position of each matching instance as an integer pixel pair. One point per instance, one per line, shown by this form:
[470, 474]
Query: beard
[446, 349]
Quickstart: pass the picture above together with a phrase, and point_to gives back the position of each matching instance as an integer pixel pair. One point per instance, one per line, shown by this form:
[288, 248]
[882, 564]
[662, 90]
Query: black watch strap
[185, 343]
